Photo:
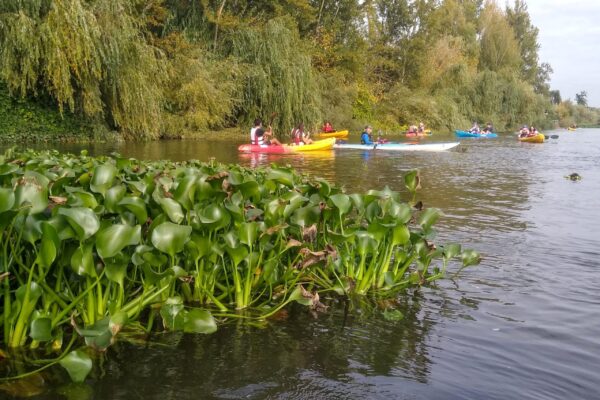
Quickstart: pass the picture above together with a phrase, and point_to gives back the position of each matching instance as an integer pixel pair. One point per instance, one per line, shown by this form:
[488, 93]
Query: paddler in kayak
[365, 137]
[257, 124]
[265, 138]
[475, 128]
[299, 136]
[421, 128]
[327, 127]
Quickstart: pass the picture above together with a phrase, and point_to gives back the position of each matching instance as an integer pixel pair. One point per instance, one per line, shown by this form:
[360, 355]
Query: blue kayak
[475, 135]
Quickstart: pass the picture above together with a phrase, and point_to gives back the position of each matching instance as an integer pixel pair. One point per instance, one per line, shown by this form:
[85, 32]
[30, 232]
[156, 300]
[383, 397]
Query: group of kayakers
[489, 128]
[300, 136]
[527, 132]
[416, 128]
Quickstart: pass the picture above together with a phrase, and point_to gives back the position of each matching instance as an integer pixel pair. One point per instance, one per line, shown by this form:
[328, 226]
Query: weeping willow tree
[279, 76]
[89, 56]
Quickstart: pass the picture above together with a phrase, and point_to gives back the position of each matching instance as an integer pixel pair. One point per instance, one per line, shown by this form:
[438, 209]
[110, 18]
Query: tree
[581, 98]
[555, 97]
[499, 48]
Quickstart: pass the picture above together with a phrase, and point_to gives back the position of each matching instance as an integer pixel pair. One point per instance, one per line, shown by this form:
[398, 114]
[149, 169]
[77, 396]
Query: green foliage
[278, 76]
[98, 254]
[26, 119]
[170, 68]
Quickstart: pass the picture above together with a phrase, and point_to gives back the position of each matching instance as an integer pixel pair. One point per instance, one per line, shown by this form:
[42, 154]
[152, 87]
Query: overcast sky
[570, 42]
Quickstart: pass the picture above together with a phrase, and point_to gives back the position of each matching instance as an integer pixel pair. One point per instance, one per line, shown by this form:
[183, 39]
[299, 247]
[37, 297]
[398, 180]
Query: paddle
[550, 137]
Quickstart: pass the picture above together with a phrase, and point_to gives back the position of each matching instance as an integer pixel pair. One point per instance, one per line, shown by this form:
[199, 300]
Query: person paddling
[365, 137]
[257, 124]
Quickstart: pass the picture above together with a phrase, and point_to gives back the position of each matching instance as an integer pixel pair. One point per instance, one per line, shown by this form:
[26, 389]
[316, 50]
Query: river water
[524, 324]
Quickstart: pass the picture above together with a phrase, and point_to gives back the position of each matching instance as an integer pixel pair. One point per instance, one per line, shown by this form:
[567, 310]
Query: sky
[569, 36]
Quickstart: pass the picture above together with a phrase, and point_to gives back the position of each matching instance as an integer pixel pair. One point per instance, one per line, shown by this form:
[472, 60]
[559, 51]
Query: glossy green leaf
[400, 234]
[451, 250]
[214, 217]
[470, 257]
[429, 217]
[199, 321]
[282, 176]
[185, 191]
[113, 196]
[50, 245]
[248, 233]
[172, 314]
[7, 199]
[78, 364]
[115, 268]
[41, 328]
[171, 238]
[113, 239]
[30, 193]
[82, 260]
[103, 178]
[306, 216]
[412, 181]
[342, 202]
[135, 205]
[84, 221]
[173, 209]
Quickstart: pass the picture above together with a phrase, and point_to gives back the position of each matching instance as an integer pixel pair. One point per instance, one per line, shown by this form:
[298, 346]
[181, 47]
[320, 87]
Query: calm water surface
[525, 324]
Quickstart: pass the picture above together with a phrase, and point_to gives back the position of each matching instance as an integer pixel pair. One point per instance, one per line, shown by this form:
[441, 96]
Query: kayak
[571, 129]
[399, 146]
[466, 134]
[539, 138]
[336, 134]
[426, 132]
[324, 144]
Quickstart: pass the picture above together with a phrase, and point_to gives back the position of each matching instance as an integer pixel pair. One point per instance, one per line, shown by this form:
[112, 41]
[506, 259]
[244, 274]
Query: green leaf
[82, 260]
[393, 315]
[172, 314]
[429, 217]
[172, 209]
[282, 176]
[113, 239]
[342, 202]
[103, 178]
[451, 250]
[470, 257]
[170, 238]
[184, 194]
[7, 199]
[113, 196]
[199, 321]
[84, 221]
[41, 328]
[32, 193]
[78, 364]
[400, 234]
[248, 233]
[49, 246]
[135, 205]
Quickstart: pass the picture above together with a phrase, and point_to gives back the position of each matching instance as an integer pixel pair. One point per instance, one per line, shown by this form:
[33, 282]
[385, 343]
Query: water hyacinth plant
[92, 244]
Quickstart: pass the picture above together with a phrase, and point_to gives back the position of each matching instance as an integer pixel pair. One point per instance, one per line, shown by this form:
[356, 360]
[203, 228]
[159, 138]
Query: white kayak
[398, 146]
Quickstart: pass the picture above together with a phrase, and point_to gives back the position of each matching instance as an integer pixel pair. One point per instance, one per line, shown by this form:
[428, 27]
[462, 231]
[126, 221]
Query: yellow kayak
[539, 138]
[336, 134]
[324, 144]
[571, 129]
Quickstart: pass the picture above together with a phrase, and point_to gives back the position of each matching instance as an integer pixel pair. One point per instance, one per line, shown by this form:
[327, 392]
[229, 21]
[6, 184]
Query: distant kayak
[399, 146]
[465, 134]
[571, 129]
[324, 144]
[336, 134]
[538, 138]
[426, 132]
